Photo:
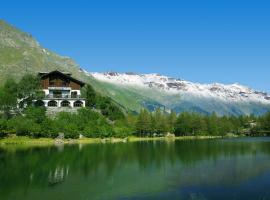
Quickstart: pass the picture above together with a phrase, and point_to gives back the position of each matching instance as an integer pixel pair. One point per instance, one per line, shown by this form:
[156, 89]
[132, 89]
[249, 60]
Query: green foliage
[37, 114]
[171, 121]
[49, 128]
[3, 128]
[212, 124]
[105, 104]
[159, 123]
[123, 128]
[264, 124]
[11, 92]
[90, 123]
[144, 123]
[21, 125]
[28, 87]
[108, 108]
[86, 122]
[35, 123]
[67, 124]
[104, 118]
[8, 97]
[89, 93]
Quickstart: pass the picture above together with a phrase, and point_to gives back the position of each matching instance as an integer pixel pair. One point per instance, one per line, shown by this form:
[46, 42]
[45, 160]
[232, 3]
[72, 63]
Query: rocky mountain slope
[20, 53]
[171, 86]
[181, 95]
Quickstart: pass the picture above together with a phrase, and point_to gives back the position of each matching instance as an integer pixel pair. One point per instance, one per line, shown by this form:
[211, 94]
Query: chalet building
[60, 90]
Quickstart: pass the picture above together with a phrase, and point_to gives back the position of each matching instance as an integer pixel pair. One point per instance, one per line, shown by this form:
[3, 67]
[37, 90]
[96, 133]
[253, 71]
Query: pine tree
[171, 121]
[161, 126]
[90, 96]
[143, 124]
[212, 124]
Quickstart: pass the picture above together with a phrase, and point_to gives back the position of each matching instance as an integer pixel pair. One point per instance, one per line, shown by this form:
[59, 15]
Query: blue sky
[199, 40]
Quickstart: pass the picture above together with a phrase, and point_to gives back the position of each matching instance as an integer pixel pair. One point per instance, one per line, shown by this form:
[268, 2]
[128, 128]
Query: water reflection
[58, 175]
[208, 169]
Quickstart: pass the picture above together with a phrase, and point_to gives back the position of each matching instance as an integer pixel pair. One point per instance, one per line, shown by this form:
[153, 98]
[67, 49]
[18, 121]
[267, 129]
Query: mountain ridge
[173, 85]
[180, 95]
[20, 54]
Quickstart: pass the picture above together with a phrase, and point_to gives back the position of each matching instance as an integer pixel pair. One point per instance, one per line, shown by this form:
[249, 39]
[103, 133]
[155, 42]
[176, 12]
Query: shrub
[91, 130]
[21, 125]
[71, 131]
[49, 128]
[37, 114]
[3, 128]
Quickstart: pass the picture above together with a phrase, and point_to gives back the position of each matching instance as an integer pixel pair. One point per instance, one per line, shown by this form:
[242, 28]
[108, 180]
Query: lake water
[195, 169]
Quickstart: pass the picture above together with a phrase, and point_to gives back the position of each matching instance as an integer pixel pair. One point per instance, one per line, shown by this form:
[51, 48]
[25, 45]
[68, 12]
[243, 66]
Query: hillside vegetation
[21, 54]
[103, 118]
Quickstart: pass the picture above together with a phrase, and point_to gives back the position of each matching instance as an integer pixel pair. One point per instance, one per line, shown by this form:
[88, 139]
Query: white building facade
[60, 90]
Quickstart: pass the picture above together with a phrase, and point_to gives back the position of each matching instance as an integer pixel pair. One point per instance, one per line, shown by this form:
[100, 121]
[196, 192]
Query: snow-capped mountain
[233, 92]
[130, 91]
[181, 95]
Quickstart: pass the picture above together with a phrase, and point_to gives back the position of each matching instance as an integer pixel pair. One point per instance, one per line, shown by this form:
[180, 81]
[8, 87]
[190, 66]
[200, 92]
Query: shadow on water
[195, 169]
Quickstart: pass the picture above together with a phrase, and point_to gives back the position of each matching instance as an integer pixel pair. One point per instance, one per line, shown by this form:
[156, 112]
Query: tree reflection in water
[112, 171]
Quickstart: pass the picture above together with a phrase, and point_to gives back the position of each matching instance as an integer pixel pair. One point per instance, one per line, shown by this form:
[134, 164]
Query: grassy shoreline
[23, 140]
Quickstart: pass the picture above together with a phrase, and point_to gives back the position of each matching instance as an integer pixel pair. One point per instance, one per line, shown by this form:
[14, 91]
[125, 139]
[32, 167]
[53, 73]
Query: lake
[194, 169]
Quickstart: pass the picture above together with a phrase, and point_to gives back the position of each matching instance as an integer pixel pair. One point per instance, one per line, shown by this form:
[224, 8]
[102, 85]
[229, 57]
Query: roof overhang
[64, 74]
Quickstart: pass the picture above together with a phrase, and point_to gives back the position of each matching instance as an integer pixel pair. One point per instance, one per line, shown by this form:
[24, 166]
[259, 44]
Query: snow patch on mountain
[228, 93]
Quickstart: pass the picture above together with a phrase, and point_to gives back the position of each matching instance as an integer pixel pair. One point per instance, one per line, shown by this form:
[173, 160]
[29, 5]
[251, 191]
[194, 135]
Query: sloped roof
[64, 74]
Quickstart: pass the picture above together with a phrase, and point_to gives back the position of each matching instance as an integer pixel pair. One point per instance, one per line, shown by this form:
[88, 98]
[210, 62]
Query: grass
[137, 139]
[24, 140]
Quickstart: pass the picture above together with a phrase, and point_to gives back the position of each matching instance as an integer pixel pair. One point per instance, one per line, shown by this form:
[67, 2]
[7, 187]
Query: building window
[39, 103]
[57, 94]
[52, 104]
[65, 104]
[78, 104]
[74, 94]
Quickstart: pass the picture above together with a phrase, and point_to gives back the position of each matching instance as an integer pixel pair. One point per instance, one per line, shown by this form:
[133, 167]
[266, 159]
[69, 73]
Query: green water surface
[194, 169]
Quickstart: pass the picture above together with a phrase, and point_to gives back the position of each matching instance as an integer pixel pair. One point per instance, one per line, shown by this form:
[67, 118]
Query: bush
[91, 130]
[37, 114]
[108, 108]
[3, 128]
[35, 130]
[71, 131]
[21, 125]
[123, 129]
[49, 128]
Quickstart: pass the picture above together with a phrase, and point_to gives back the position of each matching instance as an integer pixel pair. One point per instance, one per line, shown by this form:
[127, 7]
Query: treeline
[185, 124]
[33, 122]
[103, 118]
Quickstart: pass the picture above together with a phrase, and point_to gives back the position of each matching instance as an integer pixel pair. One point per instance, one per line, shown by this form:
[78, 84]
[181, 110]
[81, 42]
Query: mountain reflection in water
[195, 169]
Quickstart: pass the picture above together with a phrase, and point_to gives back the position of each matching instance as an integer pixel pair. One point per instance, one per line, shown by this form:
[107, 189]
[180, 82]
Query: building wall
[58, 82]
[63, 87]
[59, 101]
[45, 83]
[74, 86]
[47, 92]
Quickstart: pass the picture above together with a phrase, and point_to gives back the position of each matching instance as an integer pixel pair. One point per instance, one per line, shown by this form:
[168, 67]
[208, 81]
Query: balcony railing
[62, 96]
[59, 88]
